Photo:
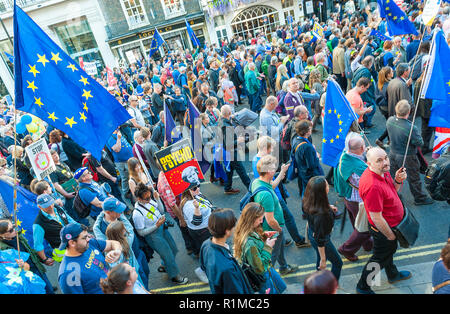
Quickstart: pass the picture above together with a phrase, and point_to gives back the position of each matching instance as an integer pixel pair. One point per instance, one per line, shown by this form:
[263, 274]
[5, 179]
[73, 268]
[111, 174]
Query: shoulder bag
[361, 221]
[407, 230]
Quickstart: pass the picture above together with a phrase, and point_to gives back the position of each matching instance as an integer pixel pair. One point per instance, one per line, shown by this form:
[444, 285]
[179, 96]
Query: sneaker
[361, 291]
[180, 280]
[201, 275]
[232, 191]
[381, 144]
[288, 242]
[426, 201]
[288, 269]
[302, 244]
[402, 275]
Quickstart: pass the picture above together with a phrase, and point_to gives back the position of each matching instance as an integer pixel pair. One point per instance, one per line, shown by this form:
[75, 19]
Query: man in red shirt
[384, 211]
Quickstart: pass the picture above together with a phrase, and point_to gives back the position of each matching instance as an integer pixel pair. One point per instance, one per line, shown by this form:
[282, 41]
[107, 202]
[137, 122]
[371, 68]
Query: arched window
[255, 18]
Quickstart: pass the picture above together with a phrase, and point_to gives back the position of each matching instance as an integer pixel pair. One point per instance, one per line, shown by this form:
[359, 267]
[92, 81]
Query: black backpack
[437, 180]
[379, 61]
[82, 209]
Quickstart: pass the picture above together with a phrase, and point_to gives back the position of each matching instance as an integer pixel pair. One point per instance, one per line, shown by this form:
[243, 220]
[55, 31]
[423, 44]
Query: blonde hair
[281, 72]
[265, 164]
[265, 142]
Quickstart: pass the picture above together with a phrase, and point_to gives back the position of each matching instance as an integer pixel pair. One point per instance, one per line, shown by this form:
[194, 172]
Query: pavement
[434, 229]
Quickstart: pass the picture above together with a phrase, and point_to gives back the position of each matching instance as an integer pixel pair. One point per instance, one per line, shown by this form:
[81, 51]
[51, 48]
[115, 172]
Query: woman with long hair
[282, 76]
[55, 139]
[136, 175]
[384, 77]
[122, 279]
[321, 215]
[254, 246]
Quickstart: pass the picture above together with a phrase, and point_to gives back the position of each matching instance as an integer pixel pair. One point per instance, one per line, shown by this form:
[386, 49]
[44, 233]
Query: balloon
[21, 128]
[26, 119]
[32, 127]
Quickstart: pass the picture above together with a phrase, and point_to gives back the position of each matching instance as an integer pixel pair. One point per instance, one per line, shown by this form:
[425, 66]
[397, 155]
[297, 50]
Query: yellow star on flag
[70, 122]
[87, 94]
[390, 14]
[52, 116]
[33, 70]
[55, 57]
[324, 140]
[337, 136]
[38, 102]
[32, 86]
[84, 80]
[334, 110]
[85, 107]
[72, 67]
[23, 231]
[340, 130]
[340, 122]
[386, 8]
[395, 17]
[42, 59]
[402, 18]
[18, 223]
[82, 116]
[339, 116]
[332, 140]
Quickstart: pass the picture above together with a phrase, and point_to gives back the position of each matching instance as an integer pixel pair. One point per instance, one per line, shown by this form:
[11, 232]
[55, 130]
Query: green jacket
[252, 82]
[348, 164]
[256, 253]
[33, 255]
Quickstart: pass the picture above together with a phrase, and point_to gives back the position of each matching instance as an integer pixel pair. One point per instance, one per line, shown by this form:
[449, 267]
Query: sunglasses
[11, 230]
[196, 188]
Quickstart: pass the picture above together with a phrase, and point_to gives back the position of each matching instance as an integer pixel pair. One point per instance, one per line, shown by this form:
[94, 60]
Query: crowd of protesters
[282, 76]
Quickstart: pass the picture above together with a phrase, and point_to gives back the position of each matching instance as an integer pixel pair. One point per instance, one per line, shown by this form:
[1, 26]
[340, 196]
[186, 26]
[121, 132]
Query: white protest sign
[40, 159]
[430, 11]
[90, 68]
[130, 56]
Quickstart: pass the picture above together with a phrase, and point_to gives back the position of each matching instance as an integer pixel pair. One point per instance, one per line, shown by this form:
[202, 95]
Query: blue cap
[79, 172]
[45, 200]
[139, 90]
[69, 232]
[112, 204]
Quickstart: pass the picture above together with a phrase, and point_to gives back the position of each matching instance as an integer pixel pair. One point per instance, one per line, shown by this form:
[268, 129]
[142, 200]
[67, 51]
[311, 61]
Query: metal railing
[7, 5]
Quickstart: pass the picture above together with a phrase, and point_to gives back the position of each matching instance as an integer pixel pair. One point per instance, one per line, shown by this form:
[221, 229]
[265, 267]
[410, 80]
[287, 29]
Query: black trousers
[239, 167]
[382, 258]
[199, 236]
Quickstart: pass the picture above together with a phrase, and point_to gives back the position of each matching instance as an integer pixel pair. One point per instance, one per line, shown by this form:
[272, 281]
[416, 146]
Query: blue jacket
[223, 271]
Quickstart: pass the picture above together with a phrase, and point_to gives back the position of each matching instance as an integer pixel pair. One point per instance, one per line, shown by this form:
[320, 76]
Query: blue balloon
[26, 119]
[21, 128]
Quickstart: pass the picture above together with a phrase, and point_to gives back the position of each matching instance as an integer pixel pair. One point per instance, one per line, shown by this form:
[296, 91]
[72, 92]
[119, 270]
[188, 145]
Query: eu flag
[50, 85]
[338, 118]
[379, 35]
[192, 34]
[171, 133]
[27, 209]
[157, 41]
[397, 21]
[436, 84]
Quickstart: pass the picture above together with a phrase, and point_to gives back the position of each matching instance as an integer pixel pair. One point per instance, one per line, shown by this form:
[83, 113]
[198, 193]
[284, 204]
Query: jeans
[254, 101]
[274, 282]
[383, 257]
[291, 225]
[144, 270]
[278, 252]
[331, 254]
[122, 167]
[115, 189]
[162, 242]
[368, 116]
[239, 167]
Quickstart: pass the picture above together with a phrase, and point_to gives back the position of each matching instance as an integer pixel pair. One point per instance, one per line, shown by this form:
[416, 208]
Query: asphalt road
[434, 225]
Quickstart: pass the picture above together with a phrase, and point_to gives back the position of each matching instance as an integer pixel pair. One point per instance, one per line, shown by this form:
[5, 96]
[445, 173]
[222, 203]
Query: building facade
[75, 25]
[226, 18]
[130, 25]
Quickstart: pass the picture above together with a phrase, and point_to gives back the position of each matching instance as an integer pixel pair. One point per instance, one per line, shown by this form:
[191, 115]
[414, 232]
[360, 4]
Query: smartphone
[275, 235]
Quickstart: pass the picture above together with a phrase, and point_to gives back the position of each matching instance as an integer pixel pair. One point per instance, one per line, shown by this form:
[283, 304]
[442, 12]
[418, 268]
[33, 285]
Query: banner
[430, 11]
[318, 30]
[180, 167]
[40, 159]
[112, 81]
[309, 7]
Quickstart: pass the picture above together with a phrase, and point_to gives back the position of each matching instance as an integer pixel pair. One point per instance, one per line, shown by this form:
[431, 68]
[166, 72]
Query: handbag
[361, 221]
[70, 185]
[407, 230]
[256, 280]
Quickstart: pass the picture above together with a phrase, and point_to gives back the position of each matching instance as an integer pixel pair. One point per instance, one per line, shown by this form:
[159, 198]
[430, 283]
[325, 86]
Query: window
[173, 8]
[134, 12]
[219, 21]
[287, 3]
[288, 13]
[255, 18]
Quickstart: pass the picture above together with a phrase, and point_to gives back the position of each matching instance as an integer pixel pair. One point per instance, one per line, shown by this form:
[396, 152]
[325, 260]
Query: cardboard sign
[90, 68]
[180, 167]
[318, 30]
[40, 159]
[309, 7]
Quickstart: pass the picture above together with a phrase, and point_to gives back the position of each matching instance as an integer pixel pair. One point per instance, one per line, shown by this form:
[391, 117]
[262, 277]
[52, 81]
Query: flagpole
[417, 105]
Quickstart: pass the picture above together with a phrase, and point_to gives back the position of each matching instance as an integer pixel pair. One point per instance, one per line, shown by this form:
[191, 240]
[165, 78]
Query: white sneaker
[201, 275]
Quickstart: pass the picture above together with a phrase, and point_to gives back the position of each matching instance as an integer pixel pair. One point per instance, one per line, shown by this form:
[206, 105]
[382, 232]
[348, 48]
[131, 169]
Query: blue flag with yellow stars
[379, 35]
[192, 34]
[172, 135]
[397, 21]
[157, 41]
[51, 86]
[436, 84]
[339, 116]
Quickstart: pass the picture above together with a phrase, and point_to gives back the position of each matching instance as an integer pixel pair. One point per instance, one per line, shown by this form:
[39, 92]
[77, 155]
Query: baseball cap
[114, 205]
[69, 232]
[45, 200]
[79, 172]
[201, 72]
